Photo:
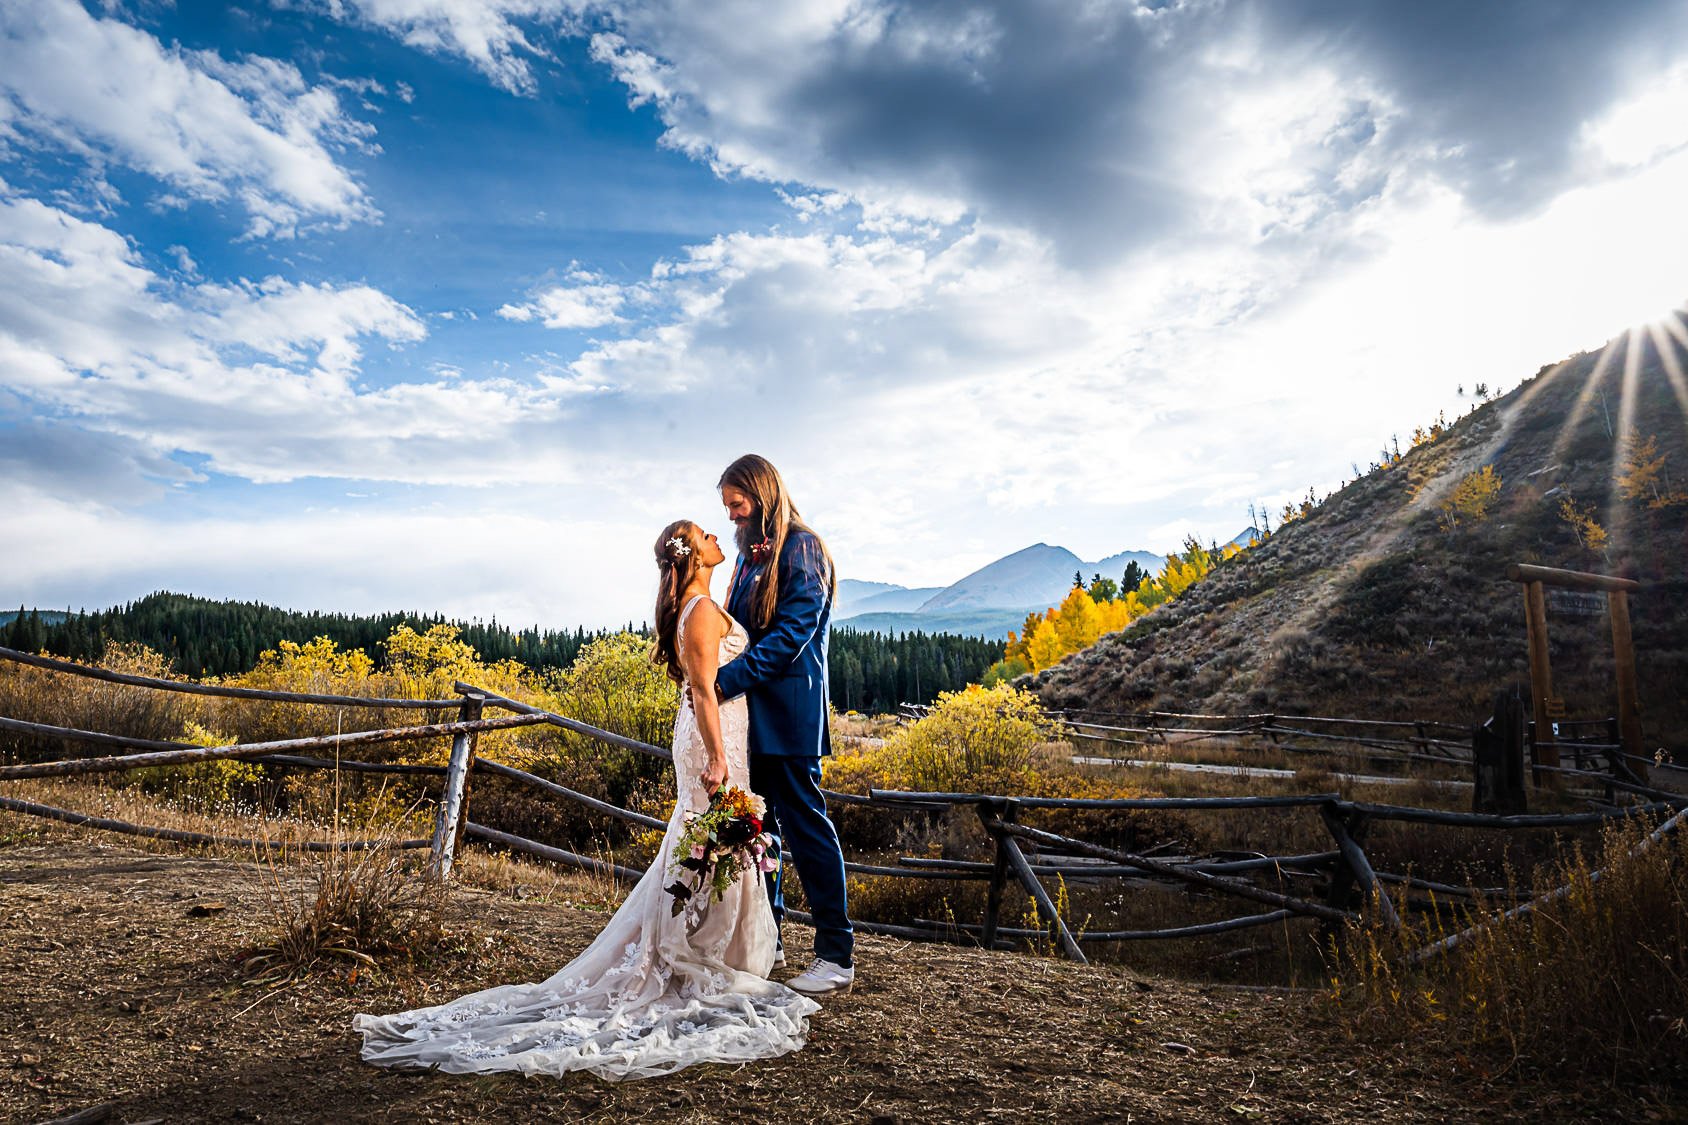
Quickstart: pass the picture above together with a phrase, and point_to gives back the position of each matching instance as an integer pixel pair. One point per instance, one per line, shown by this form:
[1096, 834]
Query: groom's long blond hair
[757, 478]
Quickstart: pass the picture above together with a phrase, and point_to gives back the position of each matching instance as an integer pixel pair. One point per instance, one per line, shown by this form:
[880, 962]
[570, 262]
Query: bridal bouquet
[718, 845]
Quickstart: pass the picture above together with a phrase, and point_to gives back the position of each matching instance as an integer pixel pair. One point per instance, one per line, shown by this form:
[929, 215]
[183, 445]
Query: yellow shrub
[971, 738]
[211, 785]
[1471, 498]
[612, 685]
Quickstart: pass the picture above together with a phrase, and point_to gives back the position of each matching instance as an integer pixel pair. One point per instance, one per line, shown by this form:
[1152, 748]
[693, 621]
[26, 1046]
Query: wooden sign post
[1546, 707]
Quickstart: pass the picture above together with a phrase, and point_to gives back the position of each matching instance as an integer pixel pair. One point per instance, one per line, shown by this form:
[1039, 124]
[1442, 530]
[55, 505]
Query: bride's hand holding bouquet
[717, 846]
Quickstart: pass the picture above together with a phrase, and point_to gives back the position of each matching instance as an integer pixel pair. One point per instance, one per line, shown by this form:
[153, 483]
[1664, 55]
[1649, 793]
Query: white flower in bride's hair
[678, 547]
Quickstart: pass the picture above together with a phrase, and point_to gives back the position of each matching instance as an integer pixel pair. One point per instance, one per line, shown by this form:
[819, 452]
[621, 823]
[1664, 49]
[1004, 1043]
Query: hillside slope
[1369, 606]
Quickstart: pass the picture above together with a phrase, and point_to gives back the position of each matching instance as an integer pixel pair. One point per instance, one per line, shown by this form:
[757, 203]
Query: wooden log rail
[1271, 736]
[1346, 821]
[183, 753]
[1217, 883]
[1286, 801]
[1606, 779]
[555, 855]
[200, 839]
[1288, 864]
[1203, 929]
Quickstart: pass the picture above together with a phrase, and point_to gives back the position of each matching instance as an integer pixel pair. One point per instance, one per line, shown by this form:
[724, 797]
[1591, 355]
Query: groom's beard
[750, 533]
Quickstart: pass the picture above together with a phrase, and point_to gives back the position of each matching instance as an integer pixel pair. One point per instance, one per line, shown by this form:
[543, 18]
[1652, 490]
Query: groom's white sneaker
[779, 958]
[823, 976]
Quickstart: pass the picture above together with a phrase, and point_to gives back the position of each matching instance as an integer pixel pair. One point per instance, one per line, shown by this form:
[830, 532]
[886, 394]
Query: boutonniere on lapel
[762, 552]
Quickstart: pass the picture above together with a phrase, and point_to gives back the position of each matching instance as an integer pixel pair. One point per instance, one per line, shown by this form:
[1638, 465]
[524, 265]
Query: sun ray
[1581, 406]
[1629, 397]
[1668, 336]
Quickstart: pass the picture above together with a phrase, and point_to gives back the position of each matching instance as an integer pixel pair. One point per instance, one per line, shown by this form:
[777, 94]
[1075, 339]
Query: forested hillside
[871, 671]
[874, 672]
[1390, 597]
[201, 637]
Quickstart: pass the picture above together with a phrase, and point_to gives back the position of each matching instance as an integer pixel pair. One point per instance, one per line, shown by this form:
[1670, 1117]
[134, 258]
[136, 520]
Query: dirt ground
[116, 992]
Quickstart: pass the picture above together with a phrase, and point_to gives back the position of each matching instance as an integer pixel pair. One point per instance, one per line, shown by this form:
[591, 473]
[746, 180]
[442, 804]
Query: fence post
[453, 807]
[1008, 811]
[1497, 758]
[1010, 857]
[1348, 831]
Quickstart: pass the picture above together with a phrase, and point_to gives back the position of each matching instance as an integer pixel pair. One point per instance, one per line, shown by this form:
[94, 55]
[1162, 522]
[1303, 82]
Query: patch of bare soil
[117, 990]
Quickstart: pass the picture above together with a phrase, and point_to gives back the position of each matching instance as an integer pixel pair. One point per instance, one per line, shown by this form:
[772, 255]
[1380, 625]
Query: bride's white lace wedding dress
[646, 997]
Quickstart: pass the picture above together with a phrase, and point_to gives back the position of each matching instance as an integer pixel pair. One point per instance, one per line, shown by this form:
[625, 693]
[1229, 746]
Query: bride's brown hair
[756, 477]
[676, 563]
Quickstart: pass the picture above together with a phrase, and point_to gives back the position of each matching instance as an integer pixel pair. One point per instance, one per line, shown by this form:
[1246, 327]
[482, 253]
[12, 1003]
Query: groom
[782, 591]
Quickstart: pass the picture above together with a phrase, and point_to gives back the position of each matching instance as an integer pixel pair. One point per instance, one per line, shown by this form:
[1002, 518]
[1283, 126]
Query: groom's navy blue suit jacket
[783, 672]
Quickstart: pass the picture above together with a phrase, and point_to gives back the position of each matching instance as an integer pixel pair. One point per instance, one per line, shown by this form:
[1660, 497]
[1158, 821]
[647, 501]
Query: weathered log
[546, 851]
[1660, 796]
[1355, 857]
[1202, 929]
[593, 803]
[176, 835]
[886, 929]
[1568, 579]
[1484, 820]
[1006, 811]
[93, 737]
[1046, 865]
[449, 813]
[1057, 925]
[184, 753]
[493, 699]
[347, 765]
[1412, 882]
[902, 872]
[1197, 878]
[1291, 801]
[191, 688]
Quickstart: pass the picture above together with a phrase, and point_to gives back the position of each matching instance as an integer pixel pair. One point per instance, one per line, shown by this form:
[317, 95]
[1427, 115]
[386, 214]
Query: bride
[655, 991]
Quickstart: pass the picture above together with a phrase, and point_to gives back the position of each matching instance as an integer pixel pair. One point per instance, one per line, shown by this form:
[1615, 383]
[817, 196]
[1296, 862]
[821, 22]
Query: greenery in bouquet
[719, 845]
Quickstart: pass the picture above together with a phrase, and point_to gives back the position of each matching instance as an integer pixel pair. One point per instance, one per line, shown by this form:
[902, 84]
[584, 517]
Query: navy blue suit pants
[792, 788]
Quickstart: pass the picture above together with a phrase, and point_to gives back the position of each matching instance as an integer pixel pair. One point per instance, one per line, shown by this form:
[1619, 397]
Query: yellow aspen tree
[1078, 623]
[1044, 647]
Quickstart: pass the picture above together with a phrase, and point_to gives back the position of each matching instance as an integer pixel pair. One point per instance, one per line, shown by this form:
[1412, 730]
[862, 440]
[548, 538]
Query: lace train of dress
[646, 997]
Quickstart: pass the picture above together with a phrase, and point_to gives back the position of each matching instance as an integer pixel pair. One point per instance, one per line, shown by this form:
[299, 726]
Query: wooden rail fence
[1021, 853]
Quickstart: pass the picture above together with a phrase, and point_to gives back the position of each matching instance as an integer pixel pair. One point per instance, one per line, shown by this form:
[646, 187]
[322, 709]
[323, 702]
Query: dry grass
[365, 908]
[1593, 982]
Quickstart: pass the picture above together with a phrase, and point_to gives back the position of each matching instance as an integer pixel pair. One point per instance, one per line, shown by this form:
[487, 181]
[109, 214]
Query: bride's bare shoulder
[705, 622]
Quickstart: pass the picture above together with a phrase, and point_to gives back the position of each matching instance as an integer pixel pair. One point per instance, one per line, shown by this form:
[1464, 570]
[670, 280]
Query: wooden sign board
[1555, 708]
[1577, 603]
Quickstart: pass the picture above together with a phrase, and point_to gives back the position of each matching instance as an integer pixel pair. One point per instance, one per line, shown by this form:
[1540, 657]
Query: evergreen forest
[204, 638]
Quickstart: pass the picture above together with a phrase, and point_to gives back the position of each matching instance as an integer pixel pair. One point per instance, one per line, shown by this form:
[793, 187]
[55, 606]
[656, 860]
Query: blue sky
[451, 304]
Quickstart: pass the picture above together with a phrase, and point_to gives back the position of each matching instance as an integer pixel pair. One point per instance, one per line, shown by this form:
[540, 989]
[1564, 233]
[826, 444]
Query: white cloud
[1647, 126]
[259, 377]
[250, 131]
[571, 306]
[487, 33]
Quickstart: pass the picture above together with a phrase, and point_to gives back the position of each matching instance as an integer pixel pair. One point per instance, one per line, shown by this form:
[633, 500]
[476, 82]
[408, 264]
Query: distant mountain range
[989, 602]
